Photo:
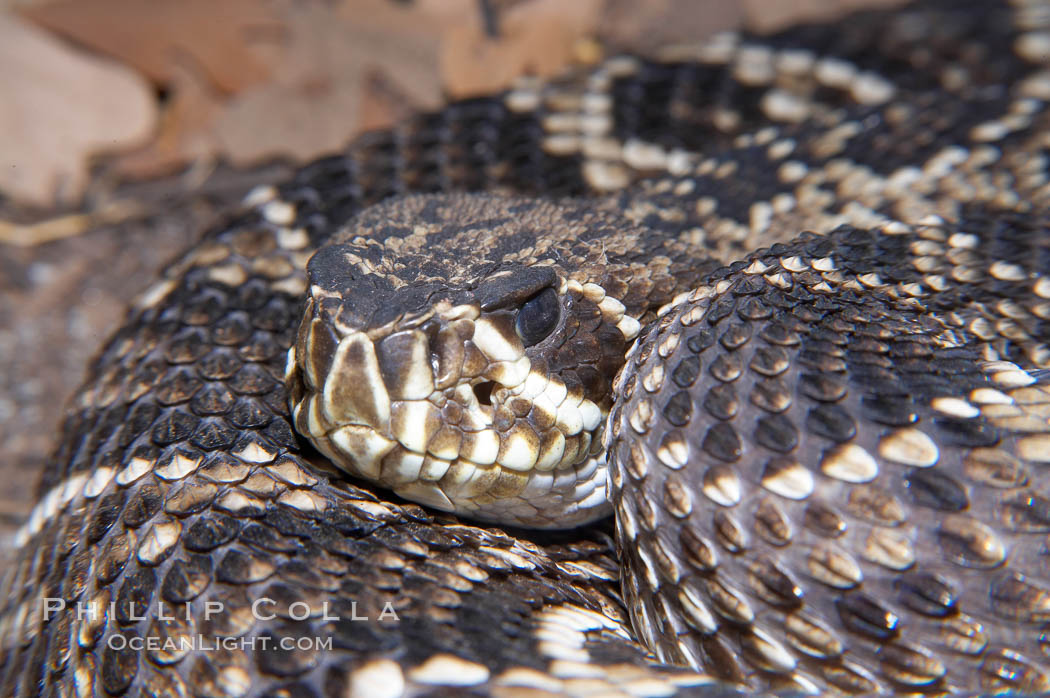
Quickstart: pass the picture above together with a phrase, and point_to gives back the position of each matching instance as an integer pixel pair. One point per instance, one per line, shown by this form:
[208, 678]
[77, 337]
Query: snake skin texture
[825, 449]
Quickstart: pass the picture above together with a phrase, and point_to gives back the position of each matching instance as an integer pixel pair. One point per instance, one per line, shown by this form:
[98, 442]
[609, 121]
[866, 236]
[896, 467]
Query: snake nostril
[483, 392]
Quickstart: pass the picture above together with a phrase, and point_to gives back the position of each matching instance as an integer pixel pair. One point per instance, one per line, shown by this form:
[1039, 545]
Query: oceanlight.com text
[199, 643]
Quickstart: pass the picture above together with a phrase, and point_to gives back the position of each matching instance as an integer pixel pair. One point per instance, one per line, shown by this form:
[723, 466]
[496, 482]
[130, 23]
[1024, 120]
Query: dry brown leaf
[227, 41]
[537, 37]
[331, 71]
[650, 26]
[772, 15]
[185, 133]
[313, 104]
[340, 69]
[344, 68]
[59, 106]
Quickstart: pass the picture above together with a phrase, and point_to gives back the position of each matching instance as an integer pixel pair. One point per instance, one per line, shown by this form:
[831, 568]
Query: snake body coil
[824, 450]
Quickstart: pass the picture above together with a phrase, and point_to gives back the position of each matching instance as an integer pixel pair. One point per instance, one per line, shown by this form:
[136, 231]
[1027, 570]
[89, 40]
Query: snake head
[460, 350]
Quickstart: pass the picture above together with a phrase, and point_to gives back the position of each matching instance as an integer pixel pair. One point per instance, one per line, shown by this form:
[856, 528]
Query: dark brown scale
[826, 339]
[301, 576]
[824, 520]
[698, 552]
[186, 579]
[776, 432]
[909, 665]
[1015, 598]
[831, 422]
[212, 434]
[700, 340]
[905, 349]
[204, 310]
[177, 387]
[172, 427]
[721, 402]
[187, 347]
[253, 380]
[139, 419]
[679, 409]
[967, 543]
[774, 585]
[967, 433]
[172, 633]
[729, 533]
[119, 666]
[249, 413]
[113, 557]
[261, 346]
[736, 336]
[935, 489]
[753, 309]
[726, 602]
[208, 533]
[237, 567]
[822, 387]
[771, 523]
[869, 345]
[145, 503]
[777, 333]
[849, 679]
[771, 395]
[190, 498]
[873, 361]
[62, 649]
[891, 410]
[726, 368]
[106, 513]
[232, 330]
[135, 593]
[79, 572]
[265, 539]
[213, 399]
[686, 372]
[927, 594]
[863, 615]
[1006, 667]
[287, 662]
[722, 442]
[1026, 511]
[721, 309]
[821, 362]
[769, 361]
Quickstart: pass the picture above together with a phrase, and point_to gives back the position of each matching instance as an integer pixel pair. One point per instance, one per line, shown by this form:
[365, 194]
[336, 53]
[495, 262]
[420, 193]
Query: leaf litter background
[127, 125]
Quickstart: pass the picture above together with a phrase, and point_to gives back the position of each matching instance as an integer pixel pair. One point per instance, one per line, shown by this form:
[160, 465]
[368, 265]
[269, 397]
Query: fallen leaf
[58, 107]
[186, 132]
[538, 38]
[650, 26]
[772, 15]
[313, 104]
[227, 41]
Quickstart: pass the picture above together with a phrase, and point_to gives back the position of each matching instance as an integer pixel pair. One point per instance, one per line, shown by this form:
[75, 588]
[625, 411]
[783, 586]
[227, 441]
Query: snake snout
[450, 410]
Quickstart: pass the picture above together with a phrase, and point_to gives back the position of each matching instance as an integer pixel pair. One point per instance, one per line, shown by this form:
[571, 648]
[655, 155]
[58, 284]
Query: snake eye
[538, 317]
